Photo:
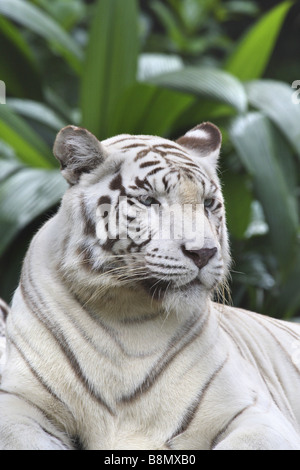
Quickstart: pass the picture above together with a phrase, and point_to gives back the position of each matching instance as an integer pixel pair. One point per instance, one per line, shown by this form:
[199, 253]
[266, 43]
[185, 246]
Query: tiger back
[113, 339]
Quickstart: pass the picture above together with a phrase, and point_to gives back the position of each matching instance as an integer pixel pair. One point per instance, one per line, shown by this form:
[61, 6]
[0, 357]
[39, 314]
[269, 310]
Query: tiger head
[143, 213]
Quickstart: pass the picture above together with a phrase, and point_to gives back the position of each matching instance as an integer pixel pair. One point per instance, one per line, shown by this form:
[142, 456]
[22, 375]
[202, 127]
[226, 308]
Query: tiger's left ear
[204, 140]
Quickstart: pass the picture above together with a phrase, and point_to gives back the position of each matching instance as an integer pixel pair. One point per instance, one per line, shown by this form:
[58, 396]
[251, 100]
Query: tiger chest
[147, 402]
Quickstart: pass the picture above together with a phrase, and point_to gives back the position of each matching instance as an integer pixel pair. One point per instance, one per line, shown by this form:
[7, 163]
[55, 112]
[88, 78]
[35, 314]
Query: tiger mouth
[157, 288]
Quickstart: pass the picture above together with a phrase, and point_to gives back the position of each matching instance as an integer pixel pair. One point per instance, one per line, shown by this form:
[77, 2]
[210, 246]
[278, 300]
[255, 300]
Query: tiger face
[151, 211]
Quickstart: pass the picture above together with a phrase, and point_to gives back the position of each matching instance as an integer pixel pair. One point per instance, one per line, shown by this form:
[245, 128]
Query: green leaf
[238, 199]
[153, 110]
[150, 65]
[240, 7]
[289, 300]
[18, 68]
[111, 62]
[30, 148]
[31, 17]
[8, 167]
[24, 195]
[252, 54]
[168, 20]
[66, 12]
[255, 141]
[252, 271]
[274, 99]
[208, 83]
[39, 112]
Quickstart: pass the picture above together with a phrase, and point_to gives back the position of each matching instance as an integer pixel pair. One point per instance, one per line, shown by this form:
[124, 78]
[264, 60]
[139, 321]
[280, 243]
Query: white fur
[197, 134]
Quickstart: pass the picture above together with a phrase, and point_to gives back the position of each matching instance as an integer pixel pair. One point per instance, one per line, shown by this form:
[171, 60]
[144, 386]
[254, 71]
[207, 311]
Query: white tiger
[113, 340]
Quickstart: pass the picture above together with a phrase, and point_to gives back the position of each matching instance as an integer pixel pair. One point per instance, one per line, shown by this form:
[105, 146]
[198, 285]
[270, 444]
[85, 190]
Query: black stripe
[193, 408]
[287, 354]
[217, 438]
[217, 207]
[175, 348]
[26, 399]
[142, 153]
[112, 333]
[34, 371]
[165, 182]
[41, 312]
[131, 146]
[284, 327]
[117, 184]
[154, 171]
[149, 163]
[89, 226]
[160, 265]
[140, 319]
[104, 200]
[168, 274]
[4, 309]
[143, 183]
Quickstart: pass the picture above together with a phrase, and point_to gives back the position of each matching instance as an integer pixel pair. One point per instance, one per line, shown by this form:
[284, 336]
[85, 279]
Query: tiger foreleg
[24, 427]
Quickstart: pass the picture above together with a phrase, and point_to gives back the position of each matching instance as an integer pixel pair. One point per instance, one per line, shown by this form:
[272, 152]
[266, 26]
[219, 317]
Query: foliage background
[159, 67]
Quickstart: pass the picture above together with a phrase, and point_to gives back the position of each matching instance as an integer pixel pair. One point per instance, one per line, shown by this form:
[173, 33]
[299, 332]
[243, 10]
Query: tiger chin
[113, 340]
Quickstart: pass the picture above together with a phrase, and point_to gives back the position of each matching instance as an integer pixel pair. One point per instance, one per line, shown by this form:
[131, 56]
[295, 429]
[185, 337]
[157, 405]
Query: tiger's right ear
[78, 151]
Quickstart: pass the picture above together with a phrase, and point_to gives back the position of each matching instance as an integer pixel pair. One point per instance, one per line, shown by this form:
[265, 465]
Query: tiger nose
[200, 257]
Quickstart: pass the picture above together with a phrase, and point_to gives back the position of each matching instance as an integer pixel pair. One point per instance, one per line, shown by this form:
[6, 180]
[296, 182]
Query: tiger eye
[209, 202]
[148, 201]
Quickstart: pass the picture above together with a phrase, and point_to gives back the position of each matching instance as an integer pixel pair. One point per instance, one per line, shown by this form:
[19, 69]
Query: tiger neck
[146, 330]
[133, 305]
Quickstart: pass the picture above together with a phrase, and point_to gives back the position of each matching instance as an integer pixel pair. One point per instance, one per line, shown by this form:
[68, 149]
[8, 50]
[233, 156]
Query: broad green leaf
[253, 271]
[33, 18]
[288, 302]
[39, 112]
[8, 167]
[252, 54]
[24, 195]
[255, 141]
[111, 62]
[30, 148]
[150, 65]
[238, 199]
[208, 83]
[59, 105]
[240, 7]
[153, 110]
[258, 225]
[18, 68]
[275, 99]
[66, 12]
